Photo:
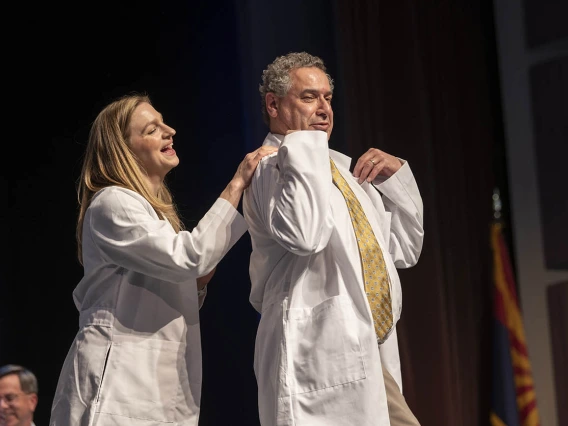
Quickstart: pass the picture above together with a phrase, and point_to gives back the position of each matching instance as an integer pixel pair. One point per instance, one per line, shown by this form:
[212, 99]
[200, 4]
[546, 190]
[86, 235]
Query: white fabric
[317, 361]
[136, 359]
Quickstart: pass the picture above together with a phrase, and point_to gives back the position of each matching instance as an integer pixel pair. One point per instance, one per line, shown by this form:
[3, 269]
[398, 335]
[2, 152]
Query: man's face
[16, 407]
[307, 106]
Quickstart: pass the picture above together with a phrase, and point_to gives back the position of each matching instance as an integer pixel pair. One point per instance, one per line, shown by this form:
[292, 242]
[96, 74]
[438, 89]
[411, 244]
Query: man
[324, 355]
[18, 396]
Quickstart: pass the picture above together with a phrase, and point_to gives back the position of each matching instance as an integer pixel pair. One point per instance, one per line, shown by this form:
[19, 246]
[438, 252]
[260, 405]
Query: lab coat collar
[342, 160]
[273, 139]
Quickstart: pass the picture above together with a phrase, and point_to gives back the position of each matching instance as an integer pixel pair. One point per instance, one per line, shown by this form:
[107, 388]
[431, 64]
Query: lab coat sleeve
[291, 193]
[128, 235]
[402, 200]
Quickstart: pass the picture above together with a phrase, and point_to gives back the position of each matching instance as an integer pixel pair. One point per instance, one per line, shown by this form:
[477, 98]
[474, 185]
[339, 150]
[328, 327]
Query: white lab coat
[317, 361]
[136, 358]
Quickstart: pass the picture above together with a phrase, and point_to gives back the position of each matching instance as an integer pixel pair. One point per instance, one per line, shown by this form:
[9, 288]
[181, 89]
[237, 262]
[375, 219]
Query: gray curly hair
[276, 77]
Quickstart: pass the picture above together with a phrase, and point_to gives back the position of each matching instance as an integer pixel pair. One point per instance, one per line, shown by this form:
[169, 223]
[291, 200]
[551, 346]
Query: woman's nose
[170, 131]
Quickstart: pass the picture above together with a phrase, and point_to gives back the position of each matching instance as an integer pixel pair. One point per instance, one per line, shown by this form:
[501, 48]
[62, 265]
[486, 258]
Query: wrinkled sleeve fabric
[126, 232]
[291, 193]
[402, 200]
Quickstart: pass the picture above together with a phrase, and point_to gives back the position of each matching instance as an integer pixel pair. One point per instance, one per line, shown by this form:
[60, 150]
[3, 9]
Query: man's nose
[324, 107]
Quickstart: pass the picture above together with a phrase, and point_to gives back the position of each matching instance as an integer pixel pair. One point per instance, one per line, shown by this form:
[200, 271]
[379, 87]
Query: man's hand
[374, 163]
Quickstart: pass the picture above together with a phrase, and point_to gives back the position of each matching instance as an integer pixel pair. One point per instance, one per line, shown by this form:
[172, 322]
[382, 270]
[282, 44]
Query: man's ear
[32, 401]
[272, 102]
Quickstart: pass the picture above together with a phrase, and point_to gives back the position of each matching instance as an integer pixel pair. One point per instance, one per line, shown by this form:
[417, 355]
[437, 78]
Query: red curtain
[421, 83]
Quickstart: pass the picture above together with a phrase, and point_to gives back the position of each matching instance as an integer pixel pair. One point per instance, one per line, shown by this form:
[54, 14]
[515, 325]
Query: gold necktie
[375, 273]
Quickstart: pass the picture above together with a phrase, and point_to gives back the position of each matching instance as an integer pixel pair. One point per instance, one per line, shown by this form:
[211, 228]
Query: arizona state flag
[513, 401]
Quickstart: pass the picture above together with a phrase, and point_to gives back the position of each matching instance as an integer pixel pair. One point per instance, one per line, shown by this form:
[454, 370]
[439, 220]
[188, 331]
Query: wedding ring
[371, 160]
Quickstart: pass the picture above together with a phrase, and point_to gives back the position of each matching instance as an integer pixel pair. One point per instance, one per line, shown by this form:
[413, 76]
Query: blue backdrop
[201, 63]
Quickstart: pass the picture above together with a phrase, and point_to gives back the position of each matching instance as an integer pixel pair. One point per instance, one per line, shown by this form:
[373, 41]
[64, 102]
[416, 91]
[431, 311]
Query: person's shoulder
[273, 139]
[112, 195]
[269, 160]
[267, 164]
[117, 202]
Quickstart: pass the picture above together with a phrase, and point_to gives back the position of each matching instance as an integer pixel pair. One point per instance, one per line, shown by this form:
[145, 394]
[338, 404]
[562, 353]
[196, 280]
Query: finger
[266, 151]
[364, 161]
[366, 168]
[378, 169]
[358, 167]
[259, 154]
[363, 175]
[269, 149]
[375, 171]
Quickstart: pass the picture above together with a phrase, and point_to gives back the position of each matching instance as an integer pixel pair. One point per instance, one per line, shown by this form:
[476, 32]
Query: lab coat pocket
[323, 348]
[140, 379]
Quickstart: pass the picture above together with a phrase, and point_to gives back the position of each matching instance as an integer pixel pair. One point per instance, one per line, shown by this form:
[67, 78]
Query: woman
[136, 359]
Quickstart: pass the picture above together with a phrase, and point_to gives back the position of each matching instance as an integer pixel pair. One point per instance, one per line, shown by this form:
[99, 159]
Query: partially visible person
[326, 247]
[136, 358]
[18, 396]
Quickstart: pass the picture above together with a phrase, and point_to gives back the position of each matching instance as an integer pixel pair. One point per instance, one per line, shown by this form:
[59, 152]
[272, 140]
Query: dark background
[419, 81]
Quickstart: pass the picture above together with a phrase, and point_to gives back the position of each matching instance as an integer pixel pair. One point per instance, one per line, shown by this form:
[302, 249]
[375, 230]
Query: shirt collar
[274, 139]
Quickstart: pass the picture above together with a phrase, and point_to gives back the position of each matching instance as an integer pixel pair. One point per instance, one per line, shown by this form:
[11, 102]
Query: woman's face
[152, 141]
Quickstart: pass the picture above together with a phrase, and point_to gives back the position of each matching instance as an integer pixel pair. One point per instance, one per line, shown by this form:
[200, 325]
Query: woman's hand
[248, 165]
[243, 176]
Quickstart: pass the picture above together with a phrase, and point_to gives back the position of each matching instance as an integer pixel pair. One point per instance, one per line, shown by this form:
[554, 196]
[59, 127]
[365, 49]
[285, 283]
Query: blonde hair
[109, 161]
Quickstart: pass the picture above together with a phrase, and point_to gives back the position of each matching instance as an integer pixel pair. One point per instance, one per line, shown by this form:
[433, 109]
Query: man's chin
[8, 421]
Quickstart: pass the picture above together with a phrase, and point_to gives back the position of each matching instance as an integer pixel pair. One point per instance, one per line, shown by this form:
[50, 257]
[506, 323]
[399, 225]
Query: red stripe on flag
[523, 389]
[508, 313]
[519, 346]
[525, 412]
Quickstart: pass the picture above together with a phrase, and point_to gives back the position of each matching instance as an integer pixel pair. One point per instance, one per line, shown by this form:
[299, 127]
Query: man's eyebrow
[314, 92]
